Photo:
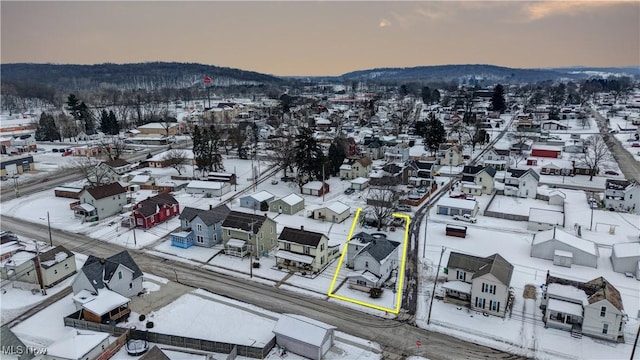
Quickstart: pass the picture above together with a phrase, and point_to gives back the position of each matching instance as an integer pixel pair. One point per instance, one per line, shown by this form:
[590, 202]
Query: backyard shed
[303, 336]
[625, 258]
[453, 206]
[546, 243]
[456, 230]
[209, 188]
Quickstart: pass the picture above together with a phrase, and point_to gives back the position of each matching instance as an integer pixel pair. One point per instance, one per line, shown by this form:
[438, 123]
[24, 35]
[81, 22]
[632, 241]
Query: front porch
[236, 247]
[294, 262]
[457, 292]
[563, 315]
[85, 212]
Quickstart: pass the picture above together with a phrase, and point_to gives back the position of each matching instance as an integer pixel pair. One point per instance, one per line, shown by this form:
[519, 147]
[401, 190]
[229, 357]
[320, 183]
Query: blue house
[205, 225]
[253, 201]
[182, 239]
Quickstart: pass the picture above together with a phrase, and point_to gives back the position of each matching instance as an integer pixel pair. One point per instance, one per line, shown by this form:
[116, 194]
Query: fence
[73, 320]
[113, 348]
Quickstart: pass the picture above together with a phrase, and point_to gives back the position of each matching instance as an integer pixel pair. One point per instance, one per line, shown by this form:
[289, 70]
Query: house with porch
[100, 202]
[118, 273]
[593, 308]
[478, 180]
[481, 283]
[204, 227]
[521, 183]
[622, 195]
[290, 204]
[373, 258]
[355, 166]
[304, 251]
[244, 232]
[154, 210]
[498, 159]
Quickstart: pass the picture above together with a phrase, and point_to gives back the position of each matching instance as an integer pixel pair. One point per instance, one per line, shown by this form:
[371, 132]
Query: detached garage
[453, 206]
[625, 258]
[564, 249]
[303, 336]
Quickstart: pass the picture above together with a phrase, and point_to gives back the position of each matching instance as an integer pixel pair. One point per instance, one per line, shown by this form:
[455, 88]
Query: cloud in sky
[384, 23]
[541, 9]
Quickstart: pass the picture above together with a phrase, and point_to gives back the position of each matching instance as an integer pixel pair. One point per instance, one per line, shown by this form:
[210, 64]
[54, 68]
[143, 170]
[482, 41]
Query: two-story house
[204, 227]
[118, 273]
[498, 159]
[355, 166]
[373, 258]
[154, 210]
[622, 195]
[483, 283]
[478, 180]
[29, 269]
[243, 233]
[593, 308]
[421, 172]
[450, 155]
[303, 250]
[103, 201]
[396, 153]
[521, 183]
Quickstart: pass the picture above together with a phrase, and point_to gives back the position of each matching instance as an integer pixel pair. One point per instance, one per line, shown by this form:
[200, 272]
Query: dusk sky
[323, 38]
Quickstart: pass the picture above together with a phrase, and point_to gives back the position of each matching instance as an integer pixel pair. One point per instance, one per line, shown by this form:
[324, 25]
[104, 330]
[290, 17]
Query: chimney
[302, 227]
[210, 206]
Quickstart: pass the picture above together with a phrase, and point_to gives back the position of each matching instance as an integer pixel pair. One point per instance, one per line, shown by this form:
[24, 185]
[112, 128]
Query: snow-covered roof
[366, 274]
[86, 207]
[457, 203]
[199, 184]
[79, 344]
[100, 304]
[237, 243]
[631, 250]
[565, 307]
[155, 125]
[546, 147]
[20, 258]
[292, 199]
[302, 329]
[567, 292]
[68, 189]
[338, 207]
[566, 238]
[287, 255]
[262, 196]
[313, 185]
[459, 286]
[345, 167]
[140, 179]
[546, 216]
[360, 180]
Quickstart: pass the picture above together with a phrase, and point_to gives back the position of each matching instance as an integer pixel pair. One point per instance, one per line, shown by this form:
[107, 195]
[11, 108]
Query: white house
[303, 336]
[498, 159]
[106, 200]
[373, 263]
[622, 195]
[564, 248]
[521, 183]
[209, 188]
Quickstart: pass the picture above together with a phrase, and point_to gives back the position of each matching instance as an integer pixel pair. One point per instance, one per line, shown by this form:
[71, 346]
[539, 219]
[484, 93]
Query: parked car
[349, 191]
[613, 131]
[635, 145]
[274, 182]
[465, 217]
[611, 172]
[66, 153]
[54, 150]
[403, 207]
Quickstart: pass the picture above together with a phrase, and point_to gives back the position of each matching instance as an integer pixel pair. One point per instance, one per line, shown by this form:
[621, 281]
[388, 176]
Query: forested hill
[479, 72]
[151, 75]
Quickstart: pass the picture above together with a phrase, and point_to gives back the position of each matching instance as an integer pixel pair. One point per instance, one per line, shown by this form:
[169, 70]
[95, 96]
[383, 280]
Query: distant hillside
[153, 75]
[489, 73]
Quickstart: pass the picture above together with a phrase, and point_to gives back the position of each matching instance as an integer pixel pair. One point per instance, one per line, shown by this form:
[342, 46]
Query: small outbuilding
[303, 336]
[545, 245]
[209, 188]
[625, 258]
[452, 206]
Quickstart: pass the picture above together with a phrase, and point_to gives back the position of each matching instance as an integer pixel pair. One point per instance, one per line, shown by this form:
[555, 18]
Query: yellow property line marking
[401, 275]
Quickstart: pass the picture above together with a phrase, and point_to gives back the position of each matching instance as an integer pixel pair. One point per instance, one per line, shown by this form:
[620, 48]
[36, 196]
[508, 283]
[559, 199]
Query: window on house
[361, 282]
[322, 260]
[366, 264]
[28, 273]
[603, 311]
[287, 246]
[215, 237]
[199, 239]
[321, 247]
[140, 221]
[229, 232]
[479, 303]
[168, 212]
[55, 271]
[119, 274]
[130, 285]
[199, 227]
[66, 266]
[605, 328]
[459, 275]
[306, 250]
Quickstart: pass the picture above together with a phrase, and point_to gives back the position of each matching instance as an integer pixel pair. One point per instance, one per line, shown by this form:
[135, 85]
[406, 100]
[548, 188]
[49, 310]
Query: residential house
[118, 273]
[622, 195]
[450, 155]
[315, 188]
[208, 188]
[102, 201]
[396, 153]
[498, 159]
[483, 283]
[244, 232]
[355, 166]
[254, 201]
[373, 263]
[290, 204]
[204, 227]
[593, 308]
[103, 173]
[373, 149]
[564, 248]
[625, 258]
[478, 180]
[303, 336]
[303, 250]
[557, 167]
[452, 206]
[30, 270]
[521, 183]
[119, 166]
[56, 265]
[154, 210]
[335, 212]
[421, 172]
[390, 174]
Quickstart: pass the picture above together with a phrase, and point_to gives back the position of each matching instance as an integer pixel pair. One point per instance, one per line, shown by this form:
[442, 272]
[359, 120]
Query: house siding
[111, 205]
[266, 236]
[122, 286]
[546, 251]
[59, 271]
[592, 323]
[500, 297]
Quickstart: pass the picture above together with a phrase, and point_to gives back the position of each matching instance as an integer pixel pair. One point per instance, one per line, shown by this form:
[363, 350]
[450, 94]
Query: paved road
[629, 166]
[397, 338]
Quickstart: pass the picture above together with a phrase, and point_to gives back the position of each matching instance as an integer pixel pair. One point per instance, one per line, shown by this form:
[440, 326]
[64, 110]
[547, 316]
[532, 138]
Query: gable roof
[566, 238]
[466, 262]
[300, 236]
[103, 191]
[150, 205]
[498, 267]
[302, 329]
[188, 213]
[99, 270]
[54, 256]
[518, 173]
[605, 291]
[379, 248]
[154, 354]
[241, 220]
[214, 216]
[292, 199]
[476, 170]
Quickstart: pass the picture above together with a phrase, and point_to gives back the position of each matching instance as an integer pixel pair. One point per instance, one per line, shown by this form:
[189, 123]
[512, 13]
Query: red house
[547, 151]
[162, 207]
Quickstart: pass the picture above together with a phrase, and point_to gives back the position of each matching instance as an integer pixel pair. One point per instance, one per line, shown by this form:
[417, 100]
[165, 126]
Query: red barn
[154, 210]
[547, 151]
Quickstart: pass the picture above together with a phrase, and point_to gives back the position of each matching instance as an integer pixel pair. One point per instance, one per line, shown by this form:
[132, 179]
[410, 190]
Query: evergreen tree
[497, 99]
[114, 124]
[47, 130]
[435, 96]
[427, 95]
[86, 116]
[336, 156]
[309, 159]
[105, 122]
[435, 134]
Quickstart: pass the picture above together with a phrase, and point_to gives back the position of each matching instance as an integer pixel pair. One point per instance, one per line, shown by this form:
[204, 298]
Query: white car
[465, 217]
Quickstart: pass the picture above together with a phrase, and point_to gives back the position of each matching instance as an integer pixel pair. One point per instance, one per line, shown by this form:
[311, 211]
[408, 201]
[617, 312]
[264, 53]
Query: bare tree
[381, 202]
[596, 152]
[176, 159]
[94, 173]
[113, 147]
[281, 152]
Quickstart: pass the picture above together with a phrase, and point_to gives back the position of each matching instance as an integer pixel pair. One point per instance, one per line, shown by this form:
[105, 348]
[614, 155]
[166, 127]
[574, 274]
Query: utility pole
[435, 281]
[39, 270]
[635, 344]
[426, 222]
[49, 224]
[135, 243]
